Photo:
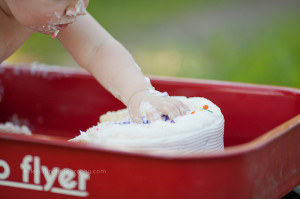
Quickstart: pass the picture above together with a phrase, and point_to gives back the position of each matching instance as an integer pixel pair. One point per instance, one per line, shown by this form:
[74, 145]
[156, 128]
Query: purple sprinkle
[165, 117]
[172, 121]
[145, 121]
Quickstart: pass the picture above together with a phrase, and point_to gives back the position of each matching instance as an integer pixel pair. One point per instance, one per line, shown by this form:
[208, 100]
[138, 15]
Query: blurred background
[252, 41]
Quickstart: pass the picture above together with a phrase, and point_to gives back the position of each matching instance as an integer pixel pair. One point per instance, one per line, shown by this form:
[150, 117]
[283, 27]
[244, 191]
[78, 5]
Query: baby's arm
[110, 63]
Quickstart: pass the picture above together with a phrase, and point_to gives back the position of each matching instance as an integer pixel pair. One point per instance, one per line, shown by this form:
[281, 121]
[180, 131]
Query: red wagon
[262, 141]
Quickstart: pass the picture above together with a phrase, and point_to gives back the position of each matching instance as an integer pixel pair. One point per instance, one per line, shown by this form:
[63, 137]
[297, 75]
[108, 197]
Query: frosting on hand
[151, 105]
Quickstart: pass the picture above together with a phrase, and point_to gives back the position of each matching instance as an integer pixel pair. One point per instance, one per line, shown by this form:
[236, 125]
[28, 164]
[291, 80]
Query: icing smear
[9, 127]
[70, 16]
[146, 109]
[79, 9]
[53, 35]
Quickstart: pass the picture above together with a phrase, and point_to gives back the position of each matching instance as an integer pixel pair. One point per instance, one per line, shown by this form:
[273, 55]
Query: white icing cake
[199, 131]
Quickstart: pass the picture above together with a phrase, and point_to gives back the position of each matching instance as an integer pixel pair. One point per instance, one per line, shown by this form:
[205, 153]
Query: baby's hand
[153, 104]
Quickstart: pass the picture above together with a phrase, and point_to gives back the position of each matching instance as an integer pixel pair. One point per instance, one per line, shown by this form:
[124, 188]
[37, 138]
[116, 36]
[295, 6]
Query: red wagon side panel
[261, 157]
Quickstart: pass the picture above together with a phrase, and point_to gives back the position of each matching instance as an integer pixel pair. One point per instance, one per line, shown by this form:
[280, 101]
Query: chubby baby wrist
[143, 93]
[134, 95]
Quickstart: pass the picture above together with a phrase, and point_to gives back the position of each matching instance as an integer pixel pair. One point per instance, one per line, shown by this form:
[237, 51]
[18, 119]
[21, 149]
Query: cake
[201, 130]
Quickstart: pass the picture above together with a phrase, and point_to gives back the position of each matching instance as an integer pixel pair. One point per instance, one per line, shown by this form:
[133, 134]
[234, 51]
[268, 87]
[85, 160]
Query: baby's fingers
[135, 114]
[169, 109]
[153, 116]
[180, 106]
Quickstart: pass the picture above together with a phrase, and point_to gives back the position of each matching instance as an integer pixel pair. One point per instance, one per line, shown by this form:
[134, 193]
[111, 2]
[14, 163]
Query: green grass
[115, 13]
[268, 55]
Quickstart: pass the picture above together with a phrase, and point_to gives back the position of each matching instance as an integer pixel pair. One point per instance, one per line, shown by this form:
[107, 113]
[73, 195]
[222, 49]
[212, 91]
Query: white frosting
[80, 8]
[9, 127]
[58, 18]
[199, 131]
[146, 107]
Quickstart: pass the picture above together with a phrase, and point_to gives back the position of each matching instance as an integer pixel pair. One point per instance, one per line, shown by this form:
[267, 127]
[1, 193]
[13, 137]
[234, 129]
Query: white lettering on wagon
[31, 165]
